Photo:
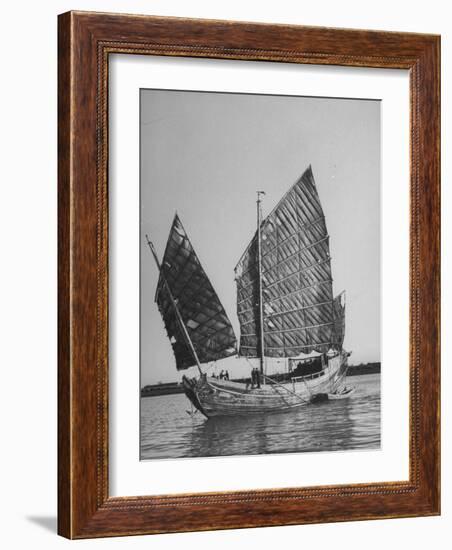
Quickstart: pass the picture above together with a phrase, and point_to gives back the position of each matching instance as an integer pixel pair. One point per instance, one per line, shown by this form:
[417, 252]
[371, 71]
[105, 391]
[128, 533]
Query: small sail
[339, 320]
[299, 313]
[206, 321]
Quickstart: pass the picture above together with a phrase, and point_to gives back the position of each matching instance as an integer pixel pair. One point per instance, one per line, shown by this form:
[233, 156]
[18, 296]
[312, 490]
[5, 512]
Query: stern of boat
[341, 373]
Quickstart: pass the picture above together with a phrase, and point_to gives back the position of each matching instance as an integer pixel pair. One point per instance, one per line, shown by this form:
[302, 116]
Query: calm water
[167, 431]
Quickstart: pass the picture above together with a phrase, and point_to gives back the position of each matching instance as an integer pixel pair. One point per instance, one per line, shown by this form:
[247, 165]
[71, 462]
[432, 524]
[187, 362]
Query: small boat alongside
[285, 306]
[345, 393]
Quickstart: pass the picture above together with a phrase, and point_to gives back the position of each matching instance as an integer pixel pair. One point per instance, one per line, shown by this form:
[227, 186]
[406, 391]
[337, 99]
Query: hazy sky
[205, 154]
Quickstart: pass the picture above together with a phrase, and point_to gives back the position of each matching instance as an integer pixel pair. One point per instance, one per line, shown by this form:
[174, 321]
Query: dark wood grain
[64, 295]
[85, 42]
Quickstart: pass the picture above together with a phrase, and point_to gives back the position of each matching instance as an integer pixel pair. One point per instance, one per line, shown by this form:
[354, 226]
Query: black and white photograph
[259, 274]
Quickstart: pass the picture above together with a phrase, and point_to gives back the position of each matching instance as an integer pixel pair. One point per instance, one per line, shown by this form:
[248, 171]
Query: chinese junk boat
[285, 307]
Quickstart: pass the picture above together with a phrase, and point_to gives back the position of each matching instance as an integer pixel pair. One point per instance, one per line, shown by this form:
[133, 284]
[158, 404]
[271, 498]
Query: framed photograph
[248, 275]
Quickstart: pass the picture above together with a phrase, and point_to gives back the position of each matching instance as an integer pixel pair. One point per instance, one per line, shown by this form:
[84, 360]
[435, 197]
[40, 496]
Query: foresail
[205, 319]
[298, 308]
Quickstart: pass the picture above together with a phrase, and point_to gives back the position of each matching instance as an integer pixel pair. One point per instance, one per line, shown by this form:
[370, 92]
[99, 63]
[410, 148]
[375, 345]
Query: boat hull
[214, 397]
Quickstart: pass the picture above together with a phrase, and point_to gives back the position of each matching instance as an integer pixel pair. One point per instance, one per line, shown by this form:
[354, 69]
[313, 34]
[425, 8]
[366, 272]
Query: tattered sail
[204, 317]
[299, 313]
[339, 320]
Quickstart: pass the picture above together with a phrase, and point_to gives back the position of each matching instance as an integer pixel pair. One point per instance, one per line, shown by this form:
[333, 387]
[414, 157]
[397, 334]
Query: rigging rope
[287, 389]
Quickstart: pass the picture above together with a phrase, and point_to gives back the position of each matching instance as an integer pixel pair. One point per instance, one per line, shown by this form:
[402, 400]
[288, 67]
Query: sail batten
[287, 295]
[204, 318]
[299, 312]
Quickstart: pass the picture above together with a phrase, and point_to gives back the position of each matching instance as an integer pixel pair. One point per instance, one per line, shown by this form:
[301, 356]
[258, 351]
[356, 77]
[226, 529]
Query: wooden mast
[176, 309]
[259, 264]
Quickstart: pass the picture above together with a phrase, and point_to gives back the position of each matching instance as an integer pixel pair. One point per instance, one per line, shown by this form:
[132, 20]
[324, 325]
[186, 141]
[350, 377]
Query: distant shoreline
[170, 388]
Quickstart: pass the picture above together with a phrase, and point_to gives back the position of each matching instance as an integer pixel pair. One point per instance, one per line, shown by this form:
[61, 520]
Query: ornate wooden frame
[85, 42]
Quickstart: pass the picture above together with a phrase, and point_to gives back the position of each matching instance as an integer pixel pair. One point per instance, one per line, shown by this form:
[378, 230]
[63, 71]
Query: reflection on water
[167, 430]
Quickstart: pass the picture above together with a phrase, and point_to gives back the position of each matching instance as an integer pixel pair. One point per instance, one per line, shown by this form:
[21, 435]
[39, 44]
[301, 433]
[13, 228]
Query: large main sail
[299, 312]
[201, 311]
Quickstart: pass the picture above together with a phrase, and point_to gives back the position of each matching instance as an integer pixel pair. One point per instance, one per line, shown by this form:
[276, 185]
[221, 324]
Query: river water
[168, 431]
